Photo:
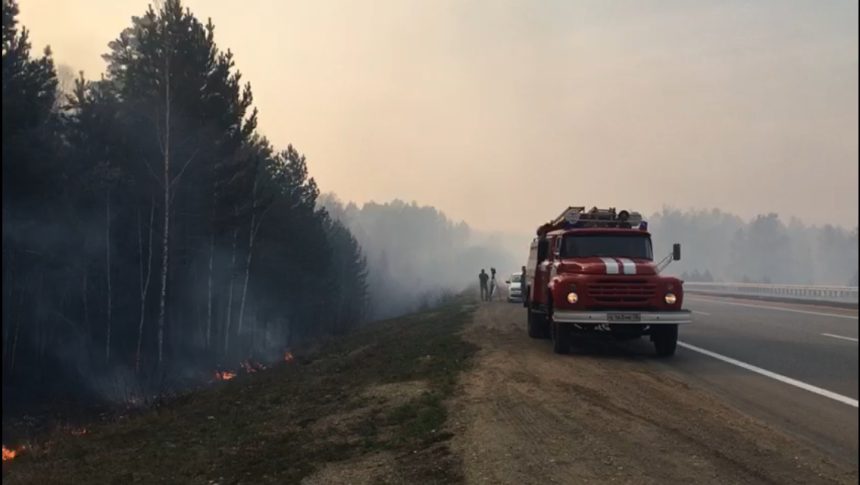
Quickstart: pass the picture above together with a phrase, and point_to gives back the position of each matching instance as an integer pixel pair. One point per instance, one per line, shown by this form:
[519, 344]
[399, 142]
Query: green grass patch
[283, 424]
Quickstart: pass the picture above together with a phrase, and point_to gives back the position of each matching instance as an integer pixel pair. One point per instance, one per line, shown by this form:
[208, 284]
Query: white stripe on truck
[628, 265]
[611, 265]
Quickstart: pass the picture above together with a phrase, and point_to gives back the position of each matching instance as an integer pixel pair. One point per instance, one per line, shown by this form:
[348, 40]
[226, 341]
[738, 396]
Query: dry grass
[331, 411]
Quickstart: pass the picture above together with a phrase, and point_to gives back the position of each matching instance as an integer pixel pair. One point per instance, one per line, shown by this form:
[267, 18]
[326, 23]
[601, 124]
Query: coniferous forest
[150, 232]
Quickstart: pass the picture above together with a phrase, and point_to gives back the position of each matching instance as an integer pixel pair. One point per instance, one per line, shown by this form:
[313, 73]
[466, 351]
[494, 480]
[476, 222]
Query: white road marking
[767, 307]
[773, 375]
[839, 337]
[701, 313]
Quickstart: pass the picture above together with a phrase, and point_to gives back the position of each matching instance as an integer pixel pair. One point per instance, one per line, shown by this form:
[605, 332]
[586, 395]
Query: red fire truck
[593, 272]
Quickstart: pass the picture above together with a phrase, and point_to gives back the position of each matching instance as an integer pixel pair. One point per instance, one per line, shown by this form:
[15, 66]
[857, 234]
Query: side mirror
[508, 281]
[676, 251]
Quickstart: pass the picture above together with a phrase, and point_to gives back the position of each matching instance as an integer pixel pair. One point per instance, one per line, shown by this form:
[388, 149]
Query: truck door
[538, 291]
[531, 265]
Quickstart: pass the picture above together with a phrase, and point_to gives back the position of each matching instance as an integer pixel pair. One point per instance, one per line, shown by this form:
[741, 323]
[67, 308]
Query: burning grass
[286, 423]
[11, 453]
[224, 375]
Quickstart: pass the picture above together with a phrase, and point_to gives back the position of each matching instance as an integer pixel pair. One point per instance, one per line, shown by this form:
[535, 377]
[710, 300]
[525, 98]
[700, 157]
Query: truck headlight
[670, 298]
[572, 297]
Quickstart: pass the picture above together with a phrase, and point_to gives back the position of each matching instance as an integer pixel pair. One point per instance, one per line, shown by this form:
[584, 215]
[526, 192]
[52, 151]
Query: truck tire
[534, 331]
[560, 338]
[665, 339]
[537, 324]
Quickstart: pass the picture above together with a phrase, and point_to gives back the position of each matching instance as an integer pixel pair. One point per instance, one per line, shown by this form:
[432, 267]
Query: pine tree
[180, 94]
[31, 183]
[145, 218]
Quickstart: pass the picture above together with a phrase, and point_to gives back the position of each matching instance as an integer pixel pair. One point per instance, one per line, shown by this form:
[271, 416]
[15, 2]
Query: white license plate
[623, 317]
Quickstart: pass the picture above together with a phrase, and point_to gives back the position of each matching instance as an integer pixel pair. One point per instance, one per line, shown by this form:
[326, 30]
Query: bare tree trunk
[252, 233]
[7, 319]
[9, 293]
[36, 296]
[211, 275]
[8, 298]
[15, 334]
[209, 292]
[230, 287]
[252, 236]
[107, 275]
[144, 288]
[247, 276]
[165, 242]
[139, 249]
[47, 336]
[85, 299]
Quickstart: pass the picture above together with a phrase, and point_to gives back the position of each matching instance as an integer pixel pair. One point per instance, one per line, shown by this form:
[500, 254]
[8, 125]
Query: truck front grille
[626, 292]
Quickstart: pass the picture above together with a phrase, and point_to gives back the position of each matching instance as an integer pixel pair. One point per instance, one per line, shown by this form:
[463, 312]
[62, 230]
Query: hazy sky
[502, 113]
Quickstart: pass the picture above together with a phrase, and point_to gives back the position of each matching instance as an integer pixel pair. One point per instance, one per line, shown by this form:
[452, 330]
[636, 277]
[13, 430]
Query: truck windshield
[515, 278]
[584, 246]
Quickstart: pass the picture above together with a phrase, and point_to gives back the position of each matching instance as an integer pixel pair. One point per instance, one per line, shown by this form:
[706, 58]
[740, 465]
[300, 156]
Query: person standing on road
[482, 277]
[493, 284]
[523, 288]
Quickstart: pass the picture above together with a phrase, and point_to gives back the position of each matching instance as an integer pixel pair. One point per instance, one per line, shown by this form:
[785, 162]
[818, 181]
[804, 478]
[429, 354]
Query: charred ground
[371, 401]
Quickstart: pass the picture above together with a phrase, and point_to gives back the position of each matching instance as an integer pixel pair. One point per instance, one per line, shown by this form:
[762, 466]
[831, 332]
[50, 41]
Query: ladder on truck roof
[576, 216]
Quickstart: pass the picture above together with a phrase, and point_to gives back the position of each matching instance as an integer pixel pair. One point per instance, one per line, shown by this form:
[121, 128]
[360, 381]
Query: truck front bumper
[622, 317]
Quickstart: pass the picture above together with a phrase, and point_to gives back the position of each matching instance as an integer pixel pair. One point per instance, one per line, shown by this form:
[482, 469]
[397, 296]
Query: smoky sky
[502, 113]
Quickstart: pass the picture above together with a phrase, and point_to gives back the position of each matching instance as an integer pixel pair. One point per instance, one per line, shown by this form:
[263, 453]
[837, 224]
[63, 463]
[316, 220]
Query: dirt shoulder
[528, 416]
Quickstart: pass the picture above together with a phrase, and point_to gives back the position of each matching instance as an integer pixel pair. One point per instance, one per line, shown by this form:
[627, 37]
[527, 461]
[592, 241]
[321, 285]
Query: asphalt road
[793, 366]
[813, 346]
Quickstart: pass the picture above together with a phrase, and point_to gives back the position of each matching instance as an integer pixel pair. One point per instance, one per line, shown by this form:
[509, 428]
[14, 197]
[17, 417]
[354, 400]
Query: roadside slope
[530, 416]
[365, 408]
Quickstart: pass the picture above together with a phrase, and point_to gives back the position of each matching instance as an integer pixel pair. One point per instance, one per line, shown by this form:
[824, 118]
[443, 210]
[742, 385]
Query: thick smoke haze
[416, 254]
[765, 249]
[501, 112]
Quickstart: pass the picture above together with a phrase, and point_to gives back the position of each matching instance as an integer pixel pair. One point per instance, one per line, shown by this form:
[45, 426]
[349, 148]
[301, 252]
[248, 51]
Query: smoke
[416, 255]
[763, 249]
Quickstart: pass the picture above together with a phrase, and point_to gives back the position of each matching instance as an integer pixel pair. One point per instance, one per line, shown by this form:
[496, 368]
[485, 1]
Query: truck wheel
[536, 324]
[560, 338]
[665, 339]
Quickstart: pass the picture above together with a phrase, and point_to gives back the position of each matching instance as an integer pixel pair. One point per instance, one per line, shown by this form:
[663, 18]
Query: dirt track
[526, 415]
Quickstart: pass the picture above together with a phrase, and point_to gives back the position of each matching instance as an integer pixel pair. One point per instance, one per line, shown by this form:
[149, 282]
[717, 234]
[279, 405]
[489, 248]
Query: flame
[79, 431]
[9, 454]
[288, 356]
[224, 376]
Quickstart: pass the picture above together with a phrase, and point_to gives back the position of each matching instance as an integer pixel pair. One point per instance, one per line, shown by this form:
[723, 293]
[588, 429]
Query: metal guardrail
[842, 294]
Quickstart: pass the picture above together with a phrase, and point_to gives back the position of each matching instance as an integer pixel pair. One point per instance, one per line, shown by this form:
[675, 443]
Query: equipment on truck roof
[579, 217]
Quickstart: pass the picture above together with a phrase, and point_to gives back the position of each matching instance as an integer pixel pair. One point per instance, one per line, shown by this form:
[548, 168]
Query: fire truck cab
[593, 272]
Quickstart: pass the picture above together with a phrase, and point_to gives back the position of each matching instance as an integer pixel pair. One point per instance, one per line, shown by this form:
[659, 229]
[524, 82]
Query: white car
[515, 287]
